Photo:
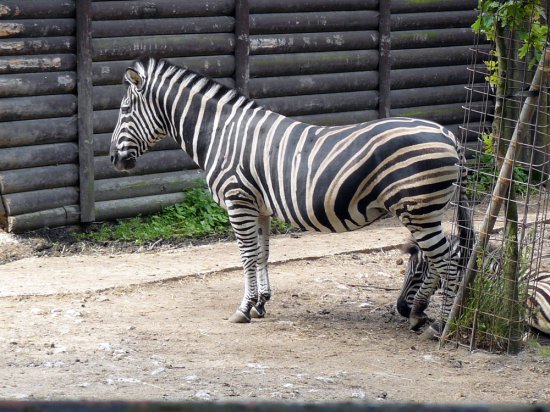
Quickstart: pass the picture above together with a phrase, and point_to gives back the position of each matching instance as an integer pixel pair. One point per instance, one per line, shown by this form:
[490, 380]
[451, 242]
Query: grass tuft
[198, 216]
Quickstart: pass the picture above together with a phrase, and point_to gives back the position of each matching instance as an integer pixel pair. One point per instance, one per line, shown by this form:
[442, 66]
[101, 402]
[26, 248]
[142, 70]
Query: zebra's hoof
[257, 312]
[239, 317]
[416, 321]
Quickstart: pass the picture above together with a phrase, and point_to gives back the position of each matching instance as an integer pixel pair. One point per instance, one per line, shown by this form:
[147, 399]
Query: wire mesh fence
[506, 287]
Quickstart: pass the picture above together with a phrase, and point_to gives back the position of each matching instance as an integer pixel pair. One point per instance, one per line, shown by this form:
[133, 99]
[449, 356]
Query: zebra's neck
[198, 110]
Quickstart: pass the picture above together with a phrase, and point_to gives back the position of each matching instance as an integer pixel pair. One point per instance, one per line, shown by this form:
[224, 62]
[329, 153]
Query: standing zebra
[538, 284]
[260, 164]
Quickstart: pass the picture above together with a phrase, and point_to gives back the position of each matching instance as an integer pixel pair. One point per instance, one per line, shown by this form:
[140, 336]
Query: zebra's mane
[151, 64]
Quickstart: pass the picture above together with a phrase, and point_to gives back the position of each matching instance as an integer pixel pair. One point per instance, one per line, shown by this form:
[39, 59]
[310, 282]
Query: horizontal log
[468, 134]
[312, 63]
[37, 28]
[415, 6]
[145, 9]
[37, 45]
[414, 39]
[104, 121]
[41, 63]
[284, 6]
[316, 83]
[435, 20]
[425, 96]
[431, 76]
[313, 22]
[147, 27]
[443, 114]
[38, 178]
[123, 208]
[104, 73]
[150, 163]
[35, 201]
[313, 42]
[322, 103]
[148, 185]
[102, 143]
[38, 132]
[37, 9]
[336, 119]
[37, 107]
[34, 84]
[124, 48]
[434, 56]
[108, 97]
[41, 155]
[61, 216]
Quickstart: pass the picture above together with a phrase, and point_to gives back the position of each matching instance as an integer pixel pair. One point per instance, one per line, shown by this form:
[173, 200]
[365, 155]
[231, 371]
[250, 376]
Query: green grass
[486, 313]
[197, 217]
[541, 350]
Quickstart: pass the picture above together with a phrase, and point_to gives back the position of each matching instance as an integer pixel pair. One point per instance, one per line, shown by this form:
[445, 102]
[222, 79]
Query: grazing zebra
[260, 164]
[538, 285]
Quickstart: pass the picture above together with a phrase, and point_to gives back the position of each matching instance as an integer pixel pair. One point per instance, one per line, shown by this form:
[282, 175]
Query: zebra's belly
[327, 215]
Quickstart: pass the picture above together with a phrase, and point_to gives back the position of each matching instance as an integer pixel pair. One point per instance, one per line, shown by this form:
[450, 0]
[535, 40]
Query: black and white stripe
[260, 164]
[538, 284]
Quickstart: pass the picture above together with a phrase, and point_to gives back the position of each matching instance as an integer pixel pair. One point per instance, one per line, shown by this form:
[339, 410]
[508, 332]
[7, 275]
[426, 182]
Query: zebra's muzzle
[122, 161]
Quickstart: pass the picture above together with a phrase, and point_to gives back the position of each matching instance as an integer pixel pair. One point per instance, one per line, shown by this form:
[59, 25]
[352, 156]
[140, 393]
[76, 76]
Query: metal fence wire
[503, 303]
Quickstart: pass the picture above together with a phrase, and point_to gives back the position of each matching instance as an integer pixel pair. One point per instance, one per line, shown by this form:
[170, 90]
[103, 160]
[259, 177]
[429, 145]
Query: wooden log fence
[319, 61]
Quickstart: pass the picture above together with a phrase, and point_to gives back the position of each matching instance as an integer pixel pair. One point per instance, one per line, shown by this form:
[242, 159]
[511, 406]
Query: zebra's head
[417, 269]
[139, 124]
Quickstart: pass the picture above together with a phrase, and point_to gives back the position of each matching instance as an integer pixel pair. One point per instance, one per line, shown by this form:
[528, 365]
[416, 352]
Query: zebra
[260, 164]
[538, 284]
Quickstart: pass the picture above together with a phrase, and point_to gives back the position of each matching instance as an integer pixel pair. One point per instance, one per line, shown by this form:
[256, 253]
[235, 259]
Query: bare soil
[331, 333]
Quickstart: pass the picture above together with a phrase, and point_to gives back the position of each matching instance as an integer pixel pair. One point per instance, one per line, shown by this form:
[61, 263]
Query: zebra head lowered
[538, 284]
[139, 125]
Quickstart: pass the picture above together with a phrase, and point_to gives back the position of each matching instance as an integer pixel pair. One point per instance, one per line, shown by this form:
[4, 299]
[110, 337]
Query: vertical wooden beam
[384, 63]
[85, 109]
[242, 46]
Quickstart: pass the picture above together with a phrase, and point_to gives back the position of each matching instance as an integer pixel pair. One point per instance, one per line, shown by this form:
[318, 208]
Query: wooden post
[85, 110]
[384, 50]
[242, 46]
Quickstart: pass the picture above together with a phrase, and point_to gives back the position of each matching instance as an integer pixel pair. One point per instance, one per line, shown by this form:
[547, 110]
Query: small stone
[399, 261]
[202, 394]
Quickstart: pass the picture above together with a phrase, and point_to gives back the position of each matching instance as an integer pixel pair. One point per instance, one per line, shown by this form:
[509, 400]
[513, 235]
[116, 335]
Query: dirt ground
[331, 333]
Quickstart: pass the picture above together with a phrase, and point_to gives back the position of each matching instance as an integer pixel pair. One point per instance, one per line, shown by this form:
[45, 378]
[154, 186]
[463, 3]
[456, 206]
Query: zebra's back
[336, 179]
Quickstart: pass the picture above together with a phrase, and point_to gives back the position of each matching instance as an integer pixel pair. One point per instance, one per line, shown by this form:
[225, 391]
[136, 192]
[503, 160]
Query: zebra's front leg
[262, 275]
[244, 221]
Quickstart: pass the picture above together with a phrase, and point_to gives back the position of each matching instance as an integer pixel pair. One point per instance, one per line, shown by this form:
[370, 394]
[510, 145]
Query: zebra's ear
[134, 77]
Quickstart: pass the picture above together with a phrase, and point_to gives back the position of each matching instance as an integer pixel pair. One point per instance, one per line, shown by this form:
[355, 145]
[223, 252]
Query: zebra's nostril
[114, 158]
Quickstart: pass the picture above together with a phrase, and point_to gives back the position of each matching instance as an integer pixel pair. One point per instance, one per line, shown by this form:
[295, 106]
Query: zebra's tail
[465, 220]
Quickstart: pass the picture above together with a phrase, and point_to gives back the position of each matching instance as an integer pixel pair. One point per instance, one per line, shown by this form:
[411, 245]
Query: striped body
[260, 164]
[538, 284]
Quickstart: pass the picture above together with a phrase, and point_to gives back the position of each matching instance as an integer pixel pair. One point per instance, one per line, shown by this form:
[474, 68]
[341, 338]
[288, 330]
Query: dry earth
[104, 324]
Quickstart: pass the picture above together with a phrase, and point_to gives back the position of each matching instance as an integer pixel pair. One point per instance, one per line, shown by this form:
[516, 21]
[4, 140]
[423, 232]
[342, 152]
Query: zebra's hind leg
[262, 275]
[450, 287]
[436, 248]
